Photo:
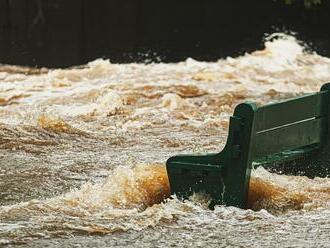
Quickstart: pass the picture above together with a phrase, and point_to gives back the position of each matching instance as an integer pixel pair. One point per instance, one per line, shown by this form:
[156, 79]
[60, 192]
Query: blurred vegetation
[308, 3]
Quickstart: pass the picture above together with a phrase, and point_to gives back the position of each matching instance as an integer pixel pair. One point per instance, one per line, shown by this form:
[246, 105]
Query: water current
[83, 152]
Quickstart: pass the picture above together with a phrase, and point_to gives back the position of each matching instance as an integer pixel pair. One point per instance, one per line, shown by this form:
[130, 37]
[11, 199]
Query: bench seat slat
[293, 110]
[287, 137]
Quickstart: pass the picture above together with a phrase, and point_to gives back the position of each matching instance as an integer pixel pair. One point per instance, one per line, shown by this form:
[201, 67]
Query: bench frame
[290, 137]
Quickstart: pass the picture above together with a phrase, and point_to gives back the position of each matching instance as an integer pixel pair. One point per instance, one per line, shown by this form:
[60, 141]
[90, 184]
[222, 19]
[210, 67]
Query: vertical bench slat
[288, 137]
[278, 114]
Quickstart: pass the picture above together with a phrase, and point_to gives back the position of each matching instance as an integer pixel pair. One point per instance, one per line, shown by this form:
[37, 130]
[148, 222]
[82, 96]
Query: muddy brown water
[83, 152]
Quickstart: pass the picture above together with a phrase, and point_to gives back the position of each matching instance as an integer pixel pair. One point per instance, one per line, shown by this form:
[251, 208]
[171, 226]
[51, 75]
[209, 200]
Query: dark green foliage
[307, 3]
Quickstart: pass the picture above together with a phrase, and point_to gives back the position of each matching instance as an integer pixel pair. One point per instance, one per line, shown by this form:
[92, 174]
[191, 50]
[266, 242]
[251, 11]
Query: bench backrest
[261, 133]
[290, 124]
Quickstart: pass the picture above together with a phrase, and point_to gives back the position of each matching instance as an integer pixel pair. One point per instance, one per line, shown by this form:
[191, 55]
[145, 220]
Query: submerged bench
[290, 137]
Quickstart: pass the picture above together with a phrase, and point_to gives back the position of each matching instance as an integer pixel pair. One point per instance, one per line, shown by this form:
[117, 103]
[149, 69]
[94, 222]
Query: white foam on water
[102, 113]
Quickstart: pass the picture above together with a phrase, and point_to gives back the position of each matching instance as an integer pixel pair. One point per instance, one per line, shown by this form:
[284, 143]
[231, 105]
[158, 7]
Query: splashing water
[71, 140]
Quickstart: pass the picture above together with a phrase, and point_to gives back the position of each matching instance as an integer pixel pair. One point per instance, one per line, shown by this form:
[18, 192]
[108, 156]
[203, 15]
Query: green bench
[290, 137]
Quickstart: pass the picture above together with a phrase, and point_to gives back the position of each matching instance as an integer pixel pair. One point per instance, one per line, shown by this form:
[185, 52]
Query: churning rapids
[83, 152]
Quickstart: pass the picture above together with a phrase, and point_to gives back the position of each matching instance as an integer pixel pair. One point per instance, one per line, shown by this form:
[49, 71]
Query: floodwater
[83, 152]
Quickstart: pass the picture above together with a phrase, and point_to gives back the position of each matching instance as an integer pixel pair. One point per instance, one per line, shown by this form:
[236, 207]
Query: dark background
[60, 33]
